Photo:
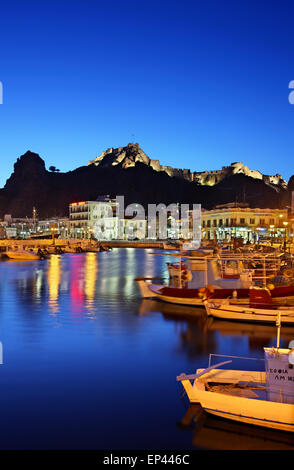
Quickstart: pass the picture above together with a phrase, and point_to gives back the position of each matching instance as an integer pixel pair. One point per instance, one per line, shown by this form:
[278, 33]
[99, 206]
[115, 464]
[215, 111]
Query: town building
[16, 227]
[59, 226]
[24, 227]
[84, 215]
[100, 220]
[232, 220]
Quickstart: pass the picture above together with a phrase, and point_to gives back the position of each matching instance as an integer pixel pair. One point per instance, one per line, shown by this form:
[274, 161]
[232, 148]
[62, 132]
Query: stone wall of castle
[131, 154]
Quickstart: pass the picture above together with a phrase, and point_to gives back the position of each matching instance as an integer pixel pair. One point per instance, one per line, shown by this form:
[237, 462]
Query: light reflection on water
[54, 269]
[89, 364]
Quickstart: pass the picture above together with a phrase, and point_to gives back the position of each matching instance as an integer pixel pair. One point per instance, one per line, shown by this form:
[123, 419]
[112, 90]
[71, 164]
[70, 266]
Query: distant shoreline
[35, 243]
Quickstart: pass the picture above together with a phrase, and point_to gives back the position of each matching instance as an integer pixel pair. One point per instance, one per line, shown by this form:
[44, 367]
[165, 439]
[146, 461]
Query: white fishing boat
[195, 278]
[72, 249]
[259, 309]
[21, 254]
[209, 432]
[171, 245]
[262, 398]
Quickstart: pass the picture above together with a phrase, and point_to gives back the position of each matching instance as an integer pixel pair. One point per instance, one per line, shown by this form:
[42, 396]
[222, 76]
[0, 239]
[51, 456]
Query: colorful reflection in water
[89, 364]
[54, 275]
[90, 274]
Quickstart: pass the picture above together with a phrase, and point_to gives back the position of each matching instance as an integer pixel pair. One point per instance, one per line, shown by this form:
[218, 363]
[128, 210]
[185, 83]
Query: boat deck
[240, 389]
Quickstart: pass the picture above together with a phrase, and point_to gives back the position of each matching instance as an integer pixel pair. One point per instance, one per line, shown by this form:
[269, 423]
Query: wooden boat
[262, 398]
[54, 250]
[196, 297]
[195, 277]
[104, 248]
[192, 285]
[22, 255]
[171, 246]
[172, 295]
[260, 308]
[73, 249]
[210, 432]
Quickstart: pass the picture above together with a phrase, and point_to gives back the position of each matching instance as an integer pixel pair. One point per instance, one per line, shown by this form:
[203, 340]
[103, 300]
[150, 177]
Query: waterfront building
[232, 220]
[178, 228]
[83, 217]
[17, 227]
[133, 229]
[99, 220]
[24, 227]
[60, 226]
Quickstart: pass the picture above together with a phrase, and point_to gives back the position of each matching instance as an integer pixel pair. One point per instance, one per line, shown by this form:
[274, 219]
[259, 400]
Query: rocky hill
[133, 175]
[130, 155]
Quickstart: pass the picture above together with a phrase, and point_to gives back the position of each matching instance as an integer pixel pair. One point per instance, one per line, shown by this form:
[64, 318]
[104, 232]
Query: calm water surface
[89, 365]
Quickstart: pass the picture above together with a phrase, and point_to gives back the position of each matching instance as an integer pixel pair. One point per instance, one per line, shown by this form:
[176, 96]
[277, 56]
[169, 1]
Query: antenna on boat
[181, 254]
[278, 324]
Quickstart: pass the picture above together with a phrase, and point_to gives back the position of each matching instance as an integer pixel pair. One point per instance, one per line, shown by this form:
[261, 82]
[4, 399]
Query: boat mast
[278, 324]
[181, 266]
[34, 219]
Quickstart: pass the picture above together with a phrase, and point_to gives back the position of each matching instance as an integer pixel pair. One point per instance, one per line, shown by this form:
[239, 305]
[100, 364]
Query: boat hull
[263, 422]
[22, 256]
[194, 297]
[258, 412]
[240, 313]
[149, 290]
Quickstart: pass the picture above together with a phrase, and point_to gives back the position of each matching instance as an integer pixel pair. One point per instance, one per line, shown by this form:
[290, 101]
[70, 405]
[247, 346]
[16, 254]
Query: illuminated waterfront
[88, 364]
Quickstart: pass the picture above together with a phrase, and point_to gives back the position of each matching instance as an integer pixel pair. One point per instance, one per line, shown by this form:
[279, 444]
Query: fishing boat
[171, 246]
[210, 432]
[261, 398]
[259, 309]
[22, 255]
[105, 248]
[198, 274]
[200, 277]
[72, 249]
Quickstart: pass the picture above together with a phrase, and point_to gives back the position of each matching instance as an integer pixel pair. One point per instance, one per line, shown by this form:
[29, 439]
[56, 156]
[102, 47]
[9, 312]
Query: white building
[228, 220]
[100, 220]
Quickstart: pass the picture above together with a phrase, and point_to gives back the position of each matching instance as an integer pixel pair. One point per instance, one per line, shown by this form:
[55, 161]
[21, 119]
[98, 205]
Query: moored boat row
[22, 253]
[225, 288]
[238, 291]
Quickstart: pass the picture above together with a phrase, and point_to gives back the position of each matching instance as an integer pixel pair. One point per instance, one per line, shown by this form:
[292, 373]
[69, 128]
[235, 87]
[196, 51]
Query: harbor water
[89, 364]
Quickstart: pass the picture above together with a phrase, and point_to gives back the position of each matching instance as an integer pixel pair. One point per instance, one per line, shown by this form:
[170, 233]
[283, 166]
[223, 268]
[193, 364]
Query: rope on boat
[235, 357]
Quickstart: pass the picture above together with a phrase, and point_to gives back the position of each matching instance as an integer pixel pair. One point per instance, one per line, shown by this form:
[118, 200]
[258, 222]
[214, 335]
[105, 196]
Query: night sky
[197, 84]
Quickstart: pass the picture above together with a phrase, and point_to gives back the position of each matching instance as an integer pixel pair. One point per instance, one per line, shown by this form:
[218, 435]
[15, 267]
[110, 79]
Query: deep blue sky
[198, 84]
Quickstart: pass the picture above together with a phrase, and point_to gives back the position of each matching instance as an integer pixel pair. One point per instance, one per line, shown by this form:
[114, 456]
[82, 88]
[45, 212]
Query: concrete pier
[10, 244]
